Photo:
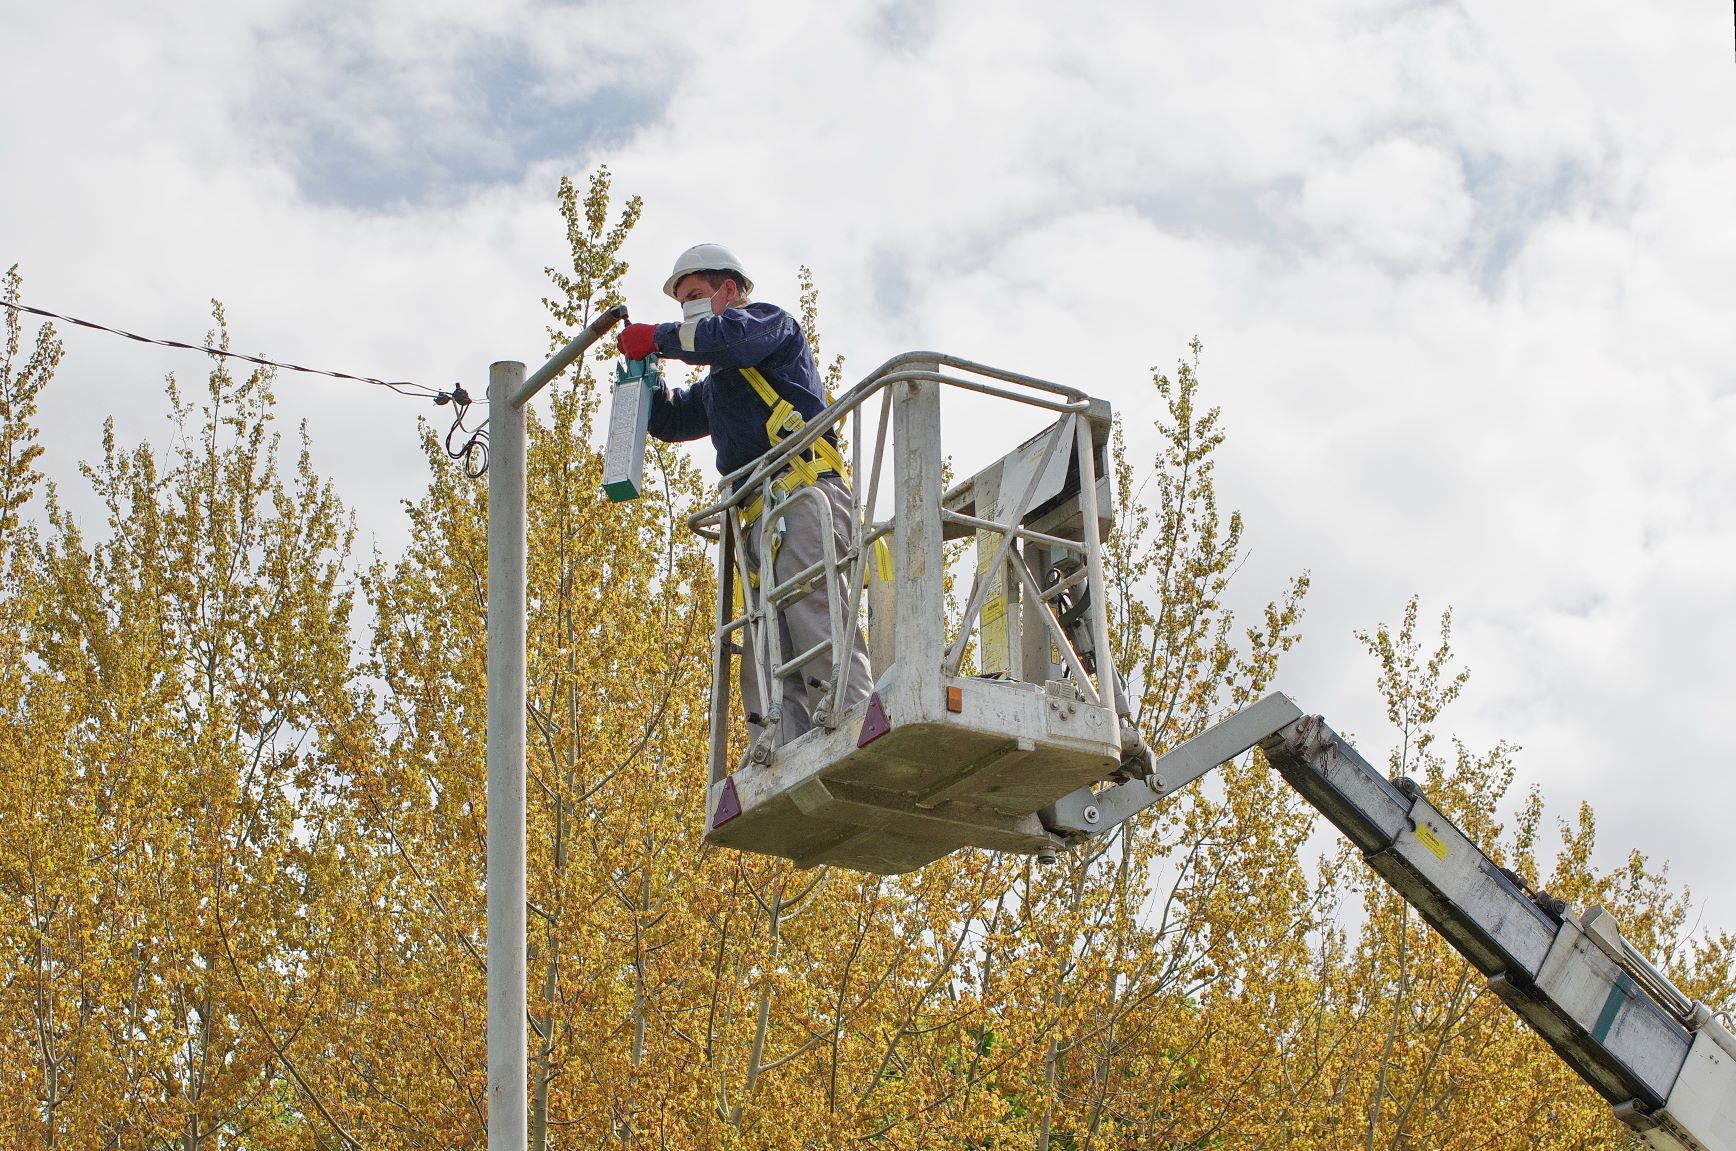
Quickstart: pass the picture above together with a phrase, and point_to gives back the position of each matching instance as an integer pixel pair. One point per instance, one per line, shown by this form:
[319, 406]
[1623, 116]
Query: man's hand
[637, 341]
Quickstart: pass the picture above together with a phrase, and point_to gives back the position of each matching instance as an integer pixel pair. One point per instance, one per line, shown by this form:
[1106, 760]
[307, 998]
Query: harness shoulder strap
[763, 386]
[786, 420]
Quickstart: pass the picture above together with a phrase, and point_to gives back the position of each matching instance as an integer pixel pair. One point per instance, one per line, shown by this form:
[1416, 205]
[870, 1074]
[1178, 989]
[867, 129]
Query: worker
[762, 387]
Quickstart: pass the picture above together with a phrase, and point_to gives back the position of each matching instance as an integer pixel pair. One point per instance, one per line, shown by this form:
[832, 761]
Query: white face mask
[696, 309]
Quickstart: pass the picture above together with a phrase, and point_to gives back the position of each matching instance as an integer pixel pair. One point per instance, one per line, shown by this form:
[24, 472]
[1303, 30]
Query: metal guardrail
[719, 522]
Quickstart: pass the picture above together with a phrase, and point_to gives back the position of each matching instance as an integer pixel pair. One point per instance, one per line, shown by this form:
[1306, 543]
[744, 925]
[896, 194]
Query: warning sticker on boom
[1430, 840]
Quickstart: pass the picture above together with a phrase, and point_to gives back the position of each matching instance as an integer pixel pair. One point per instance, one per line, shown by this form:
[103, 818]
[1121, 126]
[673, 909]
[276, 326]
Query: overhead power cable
[474, 451]
[403, 387]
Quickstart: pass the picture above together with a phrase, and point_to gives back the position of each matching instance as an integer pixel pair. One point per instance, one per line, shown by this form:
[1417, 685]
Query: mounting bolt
[1091, 813]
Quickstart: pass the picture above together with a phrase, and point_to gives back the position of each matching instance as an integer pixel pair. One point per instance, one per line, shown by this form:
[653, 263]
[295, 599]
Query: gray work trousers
[796, 525]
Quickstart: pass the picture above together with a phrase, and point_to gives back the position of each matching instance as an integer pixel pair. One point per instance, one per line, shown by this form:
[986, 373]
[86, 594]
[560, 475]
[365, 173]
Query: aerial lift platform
[1033, 749]
[940, 756]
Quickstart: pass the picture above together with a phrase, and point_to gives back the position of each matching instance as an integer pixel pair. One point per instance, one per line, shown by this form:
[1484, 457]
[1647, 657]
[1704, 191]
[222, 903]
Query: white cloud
[1398, 203]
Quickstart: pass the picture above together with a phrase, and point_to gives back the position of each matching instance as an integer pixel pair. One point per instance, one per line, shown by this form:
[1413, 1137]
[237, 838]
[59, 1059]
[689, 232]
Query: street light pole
[508, 1032]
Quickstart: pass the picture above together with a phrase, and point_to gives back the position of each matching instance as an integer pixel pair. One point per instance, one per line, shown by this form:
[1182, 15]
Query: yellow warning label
[992, 622]
[1430, 840]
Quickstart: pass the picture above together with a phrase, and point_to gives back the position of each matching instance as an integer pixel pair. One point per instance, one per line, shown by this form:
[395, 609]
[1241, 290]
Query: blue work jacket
[724, 405]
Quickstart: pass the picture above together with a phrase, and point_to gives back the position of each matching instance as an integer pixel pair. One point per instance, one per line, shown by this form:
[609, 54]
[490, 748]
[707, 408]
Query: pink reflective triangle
[728, 805]
[874, 724]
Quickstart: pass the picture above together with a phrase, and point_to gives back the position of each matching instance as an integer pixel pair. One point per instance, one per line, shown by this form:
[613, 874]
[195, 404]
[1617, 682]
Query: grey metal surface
[1108, 680]
[1222, 742]
[926, 788]
[1701, 1111]
[1085, 813]
[508, 1039]
[1599, 1020]
[1459, 890]
[1033, 478]
[914, 693]
[561, 360]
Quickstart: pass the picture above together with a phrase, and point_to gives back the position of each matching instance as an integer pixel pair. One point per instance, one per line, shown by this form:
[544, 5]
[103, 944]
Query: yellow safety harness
[823, 458]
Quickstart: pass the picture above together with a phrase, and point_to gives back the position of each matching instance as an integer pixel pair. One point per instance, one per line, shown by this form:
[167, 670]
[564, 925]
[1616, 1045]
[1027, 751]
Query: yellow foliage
[242, 864]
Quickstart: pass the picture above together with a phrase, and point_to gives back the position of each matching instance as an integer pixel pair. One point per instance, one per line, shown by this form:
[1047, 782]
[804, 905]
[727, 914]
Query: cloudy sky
[1465, 274]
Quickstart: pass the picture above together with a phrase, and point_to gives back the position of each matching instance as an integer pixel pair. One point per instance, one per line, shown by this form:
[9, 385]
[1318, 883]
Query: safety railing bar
[1098, 607]
[1062, 587]
[926, 357]
[781, 593]
[858, 559]
[753, 607]
[774, 462]
[979, 587]
[1003, 393]
[802, 660]
[879, 457]
[824, 567]
[742, 573]
[839, 645]
[858, 584]
[1023, 533]
[864, 540]
[1063, 642]
[855, 466]
[771, 463]
[776, 597]
[778, 594]
[880, 531]
[1050, 617]
[717, 717]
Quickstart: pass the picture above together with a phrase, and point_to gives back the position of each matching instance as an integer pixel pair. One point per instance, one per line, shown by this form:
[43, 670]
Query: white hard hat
[707, 258]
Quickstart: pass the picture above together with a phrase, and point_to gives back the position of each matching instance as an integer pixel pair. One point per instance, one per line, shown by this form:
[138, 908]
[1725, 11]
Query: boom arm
[1665, 1063]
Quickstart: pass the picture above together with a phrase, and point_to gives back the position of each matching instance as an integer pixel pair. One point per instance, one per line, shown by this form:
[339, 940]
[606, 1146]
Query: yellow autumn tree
[1129, 941]
[618, 651]
[44, 1032]
[171, 851]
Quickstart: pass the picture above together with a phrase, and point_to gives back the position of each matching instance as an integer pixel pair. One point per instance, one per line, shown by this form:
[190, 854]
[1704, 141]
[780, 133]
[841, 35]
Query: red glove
[637, 341]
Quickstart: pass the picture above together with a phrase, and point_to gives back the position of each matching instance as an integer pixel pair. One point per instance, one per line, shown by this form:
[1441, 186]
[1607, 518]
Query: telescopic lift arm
[1665, 1063]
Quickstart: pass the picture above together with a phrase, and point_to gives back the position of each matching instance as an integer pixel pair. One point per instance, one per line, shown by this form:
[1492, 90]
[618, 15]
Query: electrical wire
[473, 452]
[402, 387]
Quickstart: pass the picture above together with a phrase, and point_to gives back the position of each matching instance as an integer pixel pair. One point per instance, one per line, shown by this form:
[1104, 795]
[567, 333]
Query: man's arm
[740, 338]
[680, 414]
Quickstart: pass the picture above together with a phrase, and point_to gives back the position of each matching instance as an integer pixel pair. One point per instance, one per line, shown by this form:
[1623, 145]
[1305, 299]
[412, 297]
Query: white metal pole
[1099, 608]
[508, 1030]
[508, 1038]
[918, 549]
